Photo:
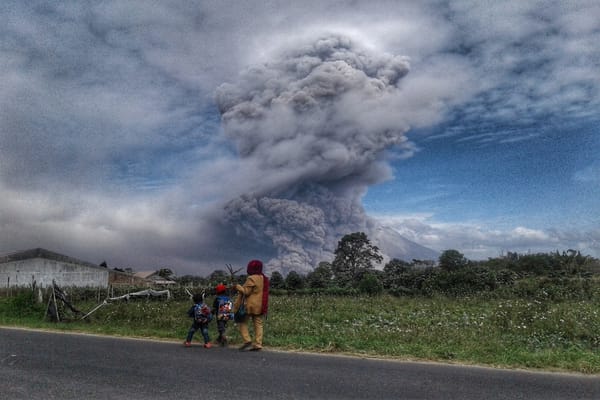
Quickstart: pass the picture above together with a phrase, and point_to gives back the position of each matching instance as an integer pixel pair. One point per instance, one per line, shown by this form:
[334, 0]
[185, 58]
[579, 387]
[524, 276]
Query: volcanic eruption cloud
[314, 124]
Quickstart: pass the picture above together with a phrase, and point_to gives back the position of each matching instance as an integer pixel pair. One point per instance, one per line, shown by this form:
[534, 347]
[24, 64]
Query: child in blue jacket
[202, 316]
[223, 309]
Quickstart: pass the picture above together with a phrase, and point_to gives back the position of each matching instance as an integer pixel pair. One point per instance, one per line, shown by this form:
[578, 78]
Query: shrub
[23, 304]
[369, 284]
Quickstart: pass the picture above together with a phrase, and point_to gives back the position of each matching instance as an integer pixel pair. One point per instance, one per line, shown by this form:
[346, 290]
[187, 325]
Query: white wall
[43, 271]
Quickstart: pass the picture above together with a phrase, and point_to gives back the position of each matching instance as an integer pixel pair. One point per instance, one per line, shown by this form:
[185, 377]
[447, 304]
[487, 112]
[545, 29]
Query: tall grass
[525, 333]
[515, 333]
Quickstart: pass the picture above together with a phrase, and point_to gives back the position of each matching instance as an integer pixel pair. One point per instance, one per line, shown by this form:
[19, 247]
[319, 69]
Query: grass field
[514, 333]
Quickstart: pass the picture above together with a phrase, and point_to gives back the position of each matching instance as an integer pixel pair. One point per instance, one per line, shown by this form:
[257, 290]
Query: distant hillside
[394, 245]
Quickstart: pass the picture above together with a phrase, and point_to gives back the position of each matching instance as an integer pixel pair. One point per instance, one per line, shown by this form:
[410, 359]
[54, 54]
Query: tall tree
[393, 271]
[451, 260]
[276, 280]
[354, 256]
[321, 276]
[294, 281]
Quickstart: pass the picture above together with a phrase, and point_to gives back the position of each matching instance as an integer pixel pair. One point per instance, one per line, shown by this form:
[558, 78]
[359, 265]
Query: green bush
[556, 289]
[370, 285]
[22, 305]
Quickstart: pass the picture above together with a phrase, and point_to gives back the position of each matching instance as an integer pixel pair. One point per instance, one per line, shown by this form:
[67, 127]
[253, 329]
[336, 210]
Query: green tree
[452, 260]
[369, 284]
[321, 276]
[354, 256]
[394, 271]
[294, 281]
[276, 280]
[219, 276]
[165, 273]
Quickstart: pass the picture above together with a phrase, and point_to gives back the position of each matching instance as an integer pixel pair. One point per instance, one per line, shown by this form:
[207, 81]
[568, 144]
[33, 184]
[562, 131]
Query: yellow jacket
[253, 290]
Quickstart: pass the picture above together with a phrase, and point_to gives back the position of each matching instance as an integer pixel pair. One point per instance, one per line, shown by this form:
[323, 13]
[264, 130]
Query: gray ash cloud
[316, 124]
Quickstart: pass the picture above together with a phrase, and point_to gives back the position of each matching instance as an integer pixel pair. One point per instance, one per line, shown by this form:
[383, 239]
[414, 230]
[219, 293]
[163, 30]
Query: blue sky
[478, 190]
[153, 134]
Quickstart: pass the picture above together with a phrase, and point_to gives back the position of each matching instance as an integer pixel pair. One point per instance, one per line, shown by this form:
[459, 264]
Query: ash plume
[314, 125]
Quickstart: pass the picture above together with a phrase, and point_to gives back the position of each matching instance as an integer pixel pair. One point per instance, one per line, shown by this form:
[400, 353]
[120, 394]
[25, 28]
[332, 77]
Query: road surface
[44, 365]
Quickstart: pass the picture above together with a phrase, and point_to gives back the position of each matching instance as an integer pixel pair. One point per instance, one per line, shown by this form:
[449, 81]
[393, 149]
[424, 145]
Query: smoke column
[314, 124]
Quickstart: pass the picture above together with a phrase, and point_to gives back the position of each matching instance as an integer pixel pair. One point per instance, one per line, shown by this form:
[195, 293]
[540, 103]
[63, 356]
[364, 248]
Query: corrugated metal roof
[43, 253]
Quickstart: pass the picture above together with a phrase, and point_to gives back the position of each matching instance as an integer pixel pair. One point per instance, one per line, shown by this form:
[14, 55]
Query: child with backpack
[202, 316]
[223, 309]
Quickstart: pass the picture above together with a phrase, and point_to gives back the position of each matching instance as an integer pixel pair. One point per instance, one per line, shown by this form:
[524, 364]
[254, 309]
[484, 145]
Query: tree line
[353, 271]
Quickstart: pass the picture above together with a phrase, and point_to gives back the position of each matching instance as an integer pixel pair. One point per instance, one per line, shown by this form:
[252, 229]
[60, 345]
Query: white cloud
[588, 175]
[529, 235]
[481, 240]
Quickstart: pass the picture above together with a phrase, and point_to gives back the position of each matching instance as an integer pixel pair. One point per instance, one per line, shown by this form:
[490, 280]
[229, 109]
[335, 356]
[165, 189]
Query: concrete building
[21, 269]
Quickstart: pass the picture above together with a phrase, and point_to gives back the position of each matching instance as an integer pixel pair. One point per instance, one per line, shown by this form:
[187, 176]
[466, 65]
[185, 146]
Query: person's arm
[246, 290]
[239, 288]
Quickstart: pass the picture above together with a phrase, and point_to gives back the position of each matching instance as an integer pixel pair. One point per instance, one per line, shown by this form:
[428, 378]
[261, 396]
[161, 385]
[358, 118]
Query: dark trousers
[198, 326]
[221, 327]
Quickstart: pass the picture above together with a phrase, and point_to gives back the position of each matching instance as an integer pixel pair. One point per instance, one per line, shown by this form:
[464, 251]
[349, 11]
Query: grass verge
[515, 333]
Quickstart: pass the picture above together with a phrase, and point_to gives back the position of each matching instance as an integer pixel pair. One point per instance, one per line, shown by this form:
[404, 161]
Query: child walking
[202, 316]
[223, 309]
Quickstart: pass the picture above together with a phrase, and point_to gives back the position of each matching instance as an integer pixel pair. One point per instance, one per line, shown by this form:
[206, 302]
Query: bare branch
[232, 272]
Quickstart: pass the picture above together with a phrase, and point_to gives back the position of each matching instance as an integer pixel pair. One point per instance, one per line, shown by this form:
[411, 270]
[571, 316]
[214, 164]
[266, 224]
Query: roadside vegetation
[537, 311]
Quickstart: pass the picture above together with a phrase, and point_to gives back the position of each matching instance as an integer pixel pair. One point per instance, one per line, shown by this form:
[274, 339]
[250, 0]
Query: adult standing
[255, 294]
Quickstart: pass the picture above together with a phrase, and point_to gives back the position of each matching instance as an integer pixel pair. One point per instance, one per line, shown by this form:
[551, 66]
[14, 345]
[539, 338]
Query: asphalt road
[43, 365]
